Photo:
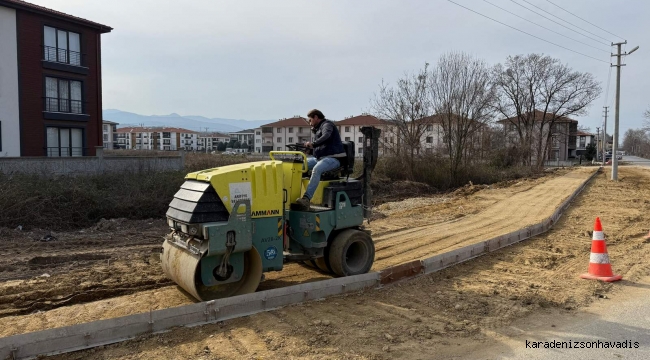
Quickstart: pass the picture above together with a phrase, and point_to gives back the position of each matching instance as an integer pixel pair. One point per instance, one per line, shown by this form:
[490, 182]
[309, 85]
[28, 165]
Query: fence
[89, 165]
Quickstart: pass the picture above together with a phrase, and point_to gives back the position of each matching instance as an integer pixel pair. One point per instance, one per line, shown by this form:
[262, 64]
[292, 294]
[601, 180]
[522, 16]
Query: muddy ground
[112, 269]
[443, 315]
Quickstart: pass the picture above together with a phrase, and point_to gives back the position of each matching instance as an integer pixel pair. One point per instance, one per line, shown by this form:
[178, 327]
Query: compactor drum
[231, 224]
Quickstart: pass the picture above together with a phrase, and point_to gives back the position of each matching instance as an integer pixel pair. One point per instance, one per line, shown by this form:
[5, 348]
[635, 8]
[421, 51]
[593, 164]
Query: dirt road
[443, 315]
[111, 271]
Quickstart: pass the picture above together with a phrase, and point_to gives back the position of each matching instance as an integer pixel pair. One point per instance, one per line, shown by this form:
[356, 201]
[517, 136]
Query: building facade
[109, 134]
[275, 136]
[162, 138]
[563, 131]
[210, 141]
[244, 137]
[50, 82]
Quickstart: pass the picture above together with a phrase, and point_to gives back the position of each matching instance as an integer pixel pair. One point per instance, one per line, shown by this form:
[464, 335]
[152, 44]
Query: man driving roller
[327, 149]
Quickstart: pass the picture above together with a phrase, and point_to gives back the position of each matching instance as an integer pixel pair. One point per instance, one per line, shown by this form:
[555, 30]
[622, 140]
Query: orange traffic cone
[599, 266]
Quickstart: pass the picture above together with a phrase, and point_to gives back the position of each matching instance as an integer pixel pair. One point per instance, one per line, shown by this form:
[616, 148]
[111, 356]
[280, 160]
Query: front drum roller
[185, 270]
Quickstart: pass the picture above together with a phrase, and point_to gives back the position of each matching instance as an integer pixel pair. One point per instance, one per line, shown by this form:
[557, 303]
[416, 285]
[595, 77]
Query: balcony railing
[63, 105]
[62, 56]
[65, 151]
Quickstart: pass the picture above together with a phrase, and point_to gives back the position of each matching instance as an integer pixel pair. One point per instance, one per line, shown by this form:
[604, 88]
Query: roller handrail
[305, 167]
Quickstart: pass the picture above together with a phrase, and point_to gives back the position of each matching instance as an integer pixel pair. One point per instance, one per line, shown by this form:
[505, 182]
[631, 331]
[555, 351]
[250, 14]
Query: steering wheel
[297, 147]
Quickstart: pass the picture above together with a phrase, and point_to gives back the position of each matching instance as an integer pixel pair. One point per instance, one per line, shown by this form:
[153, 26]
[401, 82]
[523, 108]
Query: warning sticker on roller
[240, 191]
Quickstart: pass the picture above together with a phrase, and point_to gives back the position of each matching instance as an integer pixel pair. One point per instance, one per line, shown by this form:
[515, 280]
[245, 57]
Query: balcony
[63, 60]
[65, 151]
[64, 109]
[267, 130]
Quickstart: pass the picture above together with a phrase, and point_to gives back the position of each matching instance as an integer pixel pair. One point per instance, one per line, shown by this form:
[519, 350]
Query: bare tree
[637, 142]
[535, 91]
[406, 106]
[646, 121]
[463, 94]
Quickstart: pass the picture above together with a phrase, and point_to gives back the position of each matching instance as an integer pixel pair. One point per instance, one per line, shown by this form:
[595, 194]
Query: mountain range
[193, 122]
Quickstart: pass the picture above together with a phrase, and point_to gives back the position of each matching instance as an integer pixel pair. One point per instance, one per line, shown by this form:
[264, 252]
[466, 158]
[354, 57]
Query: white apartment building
[245, 136]
[109, 134]
[210, 141]
[162, 138]
[276, 135]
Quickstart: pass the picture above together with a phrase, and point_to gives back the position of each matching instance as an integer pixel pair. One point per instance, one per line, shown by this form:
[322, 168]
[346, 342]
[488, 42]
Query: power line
[542, 26]
[620, 37]
[564, 26]
[529, 34]
[609, 79]
[578, 27]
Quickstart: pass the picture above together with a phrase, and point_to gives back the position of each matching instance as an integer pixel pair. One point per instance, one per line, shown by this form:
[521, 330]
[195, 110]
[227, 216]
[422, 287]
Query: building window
[105, 128]
[279, 148]
[279, 130]
[105, 137]
[360, 151]
[167, 135]
[360, 139]
[61, 46]
[290, 140]
[167, 142]
[583, 140]
[279, 139]
[63, 96]
[429, 127]
[64, 142]
[429, 139]
[300, 130]
[347, 129]
[258, 133]
[347, 138]
[291, 130]
[258, 141]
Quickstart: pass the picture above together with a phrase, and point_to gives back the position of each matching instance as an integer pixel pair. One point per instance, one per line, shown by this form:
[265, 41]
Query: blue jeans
[319, 167]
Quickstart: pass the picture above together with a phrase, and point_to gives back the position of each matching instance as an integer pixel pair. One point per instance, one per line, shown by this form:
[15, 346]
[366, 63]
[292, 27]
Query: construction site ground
[113, 270]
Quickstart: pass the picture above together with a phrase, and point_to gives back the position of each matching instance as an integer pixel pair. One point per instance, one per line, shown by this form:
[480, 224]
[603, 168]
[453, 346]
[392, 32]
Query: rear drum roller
[185, 270]
[352, 252]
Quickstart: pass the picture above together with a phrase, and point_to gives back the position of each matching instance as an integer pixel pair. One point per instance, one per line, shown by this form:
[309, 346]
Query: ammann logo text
[265, 212]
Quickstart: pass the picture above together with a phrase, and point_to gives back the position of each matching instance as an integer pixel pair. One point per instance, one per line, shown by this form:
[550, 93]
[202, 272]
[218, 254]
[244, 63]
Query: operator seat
[347, 164]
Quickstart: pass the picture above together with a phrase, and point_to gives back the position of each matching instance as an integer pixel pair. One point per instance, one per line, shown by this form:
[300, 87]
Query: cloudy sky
[260, 59]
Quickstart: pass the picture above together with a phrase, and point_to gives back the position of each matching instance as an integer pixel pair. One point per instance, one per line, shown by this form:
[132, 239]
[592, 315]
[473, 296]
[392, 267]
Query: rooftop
[363, 119]
[139, 129]
[23, 5]
[294, 121]
[538, 117]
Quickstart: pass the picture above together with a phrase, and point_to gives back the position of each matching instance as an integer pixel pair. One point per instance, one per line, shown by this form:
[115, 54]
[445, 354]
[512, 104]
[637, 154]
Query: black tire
[352, 252]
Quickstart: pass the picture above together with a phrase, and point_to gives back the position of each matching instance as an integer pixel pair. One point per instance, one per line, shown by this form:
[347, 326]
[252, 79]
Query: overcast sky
[273, 59]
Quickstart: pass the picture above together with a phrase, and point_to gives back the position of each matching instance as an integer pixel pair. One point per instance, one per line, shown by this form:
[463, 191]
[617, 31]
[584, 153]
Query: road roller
[229, 225]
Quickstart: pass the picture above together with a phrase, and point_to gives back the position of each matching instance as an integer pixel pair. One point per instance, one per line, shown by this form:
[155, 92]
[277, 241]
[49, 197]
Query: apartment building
[276, 135]
[50, 82]
[210, 141]
[583, 139]
[162, 138]
[563, 142]
[350, 130]
[246, 137]
[109, 134]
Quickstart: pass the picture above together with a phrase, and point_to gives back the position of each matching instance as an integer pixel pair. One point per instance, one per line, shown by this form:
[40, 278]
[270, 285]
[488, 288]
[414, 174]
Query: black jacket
[327, 141]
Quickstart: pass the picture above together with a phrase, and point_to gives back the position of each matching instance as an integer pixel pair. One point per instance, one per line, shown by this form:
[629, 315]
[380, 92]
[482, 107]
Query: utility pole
[604, 149]
[618, 106]
[597, 142]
